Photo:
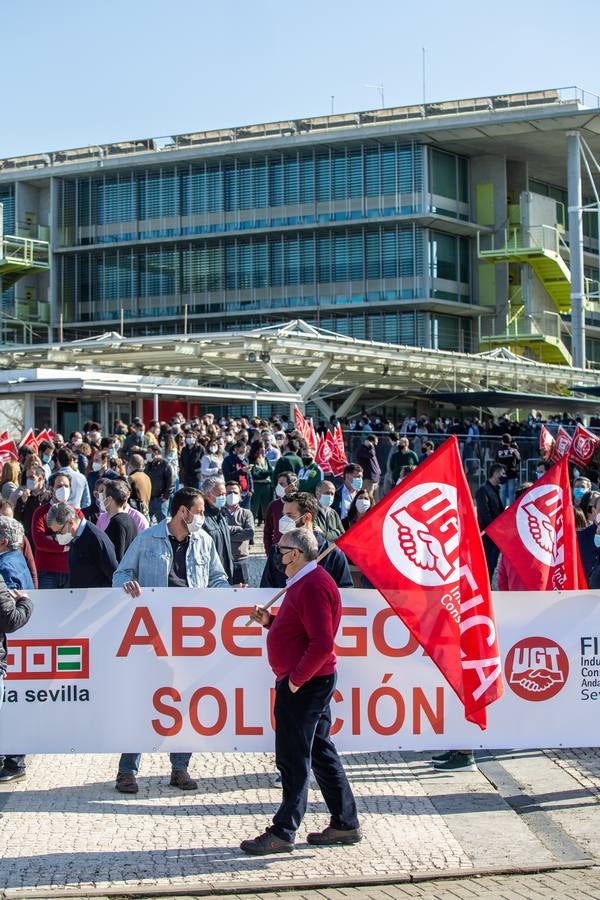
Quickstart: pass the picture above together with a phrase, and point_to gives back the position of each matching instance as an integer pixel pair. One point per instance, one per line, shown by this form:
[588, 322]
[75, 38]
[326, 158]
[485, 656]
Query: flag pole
[284, 589]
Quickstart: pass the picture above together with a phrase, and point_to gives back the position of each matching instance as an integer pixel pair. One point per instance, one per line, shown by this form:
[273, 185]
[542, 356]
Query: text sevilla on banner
[420, 547]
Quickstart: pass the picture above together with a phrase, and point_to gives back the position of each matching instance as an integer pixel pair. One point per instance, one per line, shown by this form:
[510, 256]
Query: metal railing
[521, 240]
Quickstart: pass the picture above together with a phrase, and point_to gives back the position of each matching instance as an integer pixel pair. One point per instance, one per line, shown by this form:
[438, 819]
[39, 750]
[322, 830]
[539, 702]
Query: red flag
[44, 436]
[339, 460]
[325, 452]
[301, 424]
[5, 436]
[562, 444]
[583, 446]
[29, 441]
[537, 534]
[312, 441]
[8, 450]
[546, 442]
[421, 548]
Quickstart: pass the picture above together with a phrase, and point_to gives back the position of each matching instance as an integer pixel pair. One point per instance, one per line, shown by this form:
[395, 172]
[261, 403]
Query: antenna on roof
[332, 102]
[378, 87]
[423, 73]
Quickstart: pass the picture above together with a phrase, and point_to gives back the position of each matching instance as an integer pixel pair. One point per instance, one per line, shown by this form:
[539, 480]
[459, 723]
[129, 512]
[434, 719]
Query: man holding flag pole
[421, 548]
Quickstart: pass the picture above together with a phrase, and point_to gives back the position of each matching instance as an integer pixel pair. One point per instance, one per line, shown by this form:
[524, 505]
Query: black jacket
[92, 559]
[122, 532]
[13, 615]
[489, 504]
[216, 525]
[190, 460]
[588, 550]
[162, 478]
[335, 563]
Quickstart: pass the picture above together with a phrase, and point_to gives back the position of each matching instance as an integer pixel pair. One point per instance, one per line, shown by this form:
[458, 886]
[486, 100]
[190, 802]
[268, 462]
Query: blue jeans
[130, 762]
[159, 508]
[508, 491]
[53, 580]
[302, 726]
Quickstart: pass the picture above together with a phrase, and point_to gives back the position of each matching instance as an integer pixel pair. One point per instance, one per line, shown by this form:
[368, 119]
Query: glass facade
[262, 191]
[332, 234]
[376, 264]
[7, 199]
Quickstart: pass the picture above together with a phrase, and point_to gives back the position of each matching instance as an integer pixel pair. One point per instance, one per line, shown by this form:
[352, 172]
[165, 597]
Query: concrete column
[576, 249]
[155, 407]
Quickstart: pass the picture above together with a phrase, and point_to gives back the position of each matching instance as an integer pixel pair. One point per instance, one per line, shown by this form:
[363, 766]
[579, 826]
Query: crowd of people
[177, 504]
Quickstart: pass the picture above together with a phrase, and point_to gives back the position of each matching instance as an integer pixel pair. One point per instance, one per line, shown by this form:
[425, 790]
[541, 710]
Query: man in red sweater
[300, 648]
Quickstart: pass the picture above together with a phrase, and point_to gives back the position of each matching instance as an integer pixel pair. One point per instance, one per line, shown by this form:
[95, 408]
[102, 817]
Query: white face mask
[286, 523]
[31, 484]
[64, 539]
[233, 499]
[213, 448]
[196, 524]
[100, 502]
[96, 466]
[61, 494]
[363, 504]
[280, 491]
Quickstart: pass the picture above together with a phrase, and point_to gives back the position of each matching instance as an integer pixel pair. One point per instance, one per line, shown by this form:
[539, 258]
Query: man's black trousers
[302, 726]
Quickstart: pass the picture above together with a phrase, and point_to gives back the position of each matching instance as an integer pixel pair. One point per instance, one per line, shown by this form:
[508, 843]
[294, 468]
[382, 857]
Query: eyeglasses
[283, 550]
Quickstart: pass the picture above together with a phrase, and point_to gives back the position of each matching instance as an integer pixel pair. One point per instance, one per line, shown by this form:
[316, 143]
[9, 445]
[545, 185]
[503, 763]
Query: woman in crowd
[10, 481]
[261, 471]
[51, 558]
[211, 463]
[361, 504]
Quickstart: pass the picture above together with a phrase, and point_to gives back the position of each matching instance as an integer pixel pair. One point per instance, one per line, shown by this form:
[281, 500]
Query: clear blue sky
[75, 72]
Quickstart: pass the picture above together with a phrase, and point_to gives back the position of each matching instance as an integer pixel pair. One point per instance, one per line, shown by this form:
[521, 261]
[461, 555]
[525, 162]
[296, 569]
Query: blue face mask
[220, 502]
[326, 500]
[578, 493]
[597, 540]
[357, 483]
[45, 458]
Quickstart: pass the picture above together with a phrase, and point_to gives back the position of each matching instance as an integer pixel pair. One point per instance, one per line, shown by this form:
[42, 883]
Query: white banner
[177, 670]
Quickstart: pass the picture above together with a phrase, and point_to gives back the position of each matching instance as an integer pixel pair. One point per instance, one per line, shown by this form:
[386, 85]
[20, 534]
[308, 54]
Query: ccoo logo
[421, 534]
[536, 668]
[540, 523]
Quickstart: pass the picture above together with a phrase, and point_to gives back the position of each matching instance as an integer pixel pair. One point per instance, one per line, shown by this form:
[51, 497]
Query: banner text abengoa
[178, 669]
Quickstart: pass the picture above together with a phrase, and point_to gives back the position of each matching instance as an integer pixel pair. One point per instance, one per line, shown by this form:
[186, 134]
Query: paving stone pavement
[67, 826]
[578, 885]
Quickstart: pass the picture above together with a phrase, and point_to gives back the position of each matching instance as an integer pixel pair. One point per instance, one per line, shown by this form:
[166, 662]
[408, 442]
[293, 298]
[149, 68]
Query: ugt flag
[420, 547]
[562, 445]
[583, 446]
[537, 534]
[546, 442]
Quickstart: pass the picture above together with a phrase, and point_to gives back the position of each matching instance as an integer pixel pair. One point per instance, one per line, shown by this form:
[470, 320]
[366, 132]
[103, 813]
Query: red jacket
[301, 637]
[50, 556]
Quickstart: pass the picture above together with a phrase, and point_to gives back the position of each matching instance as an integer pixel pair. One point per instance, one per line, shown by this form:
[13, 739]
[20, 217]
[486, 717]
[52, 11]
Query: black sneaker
[457, 762]
[442, 757]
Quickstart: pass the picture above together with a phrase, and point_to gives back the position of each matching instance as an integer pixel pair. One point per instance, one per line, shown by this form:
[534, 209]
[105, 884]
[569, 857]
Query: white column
[576, 249]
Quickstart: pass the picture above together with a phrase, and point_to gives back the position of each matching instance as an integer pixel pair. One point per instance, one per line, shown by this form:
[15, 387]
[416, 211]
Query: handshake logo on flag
[424, 522]
[540, 523]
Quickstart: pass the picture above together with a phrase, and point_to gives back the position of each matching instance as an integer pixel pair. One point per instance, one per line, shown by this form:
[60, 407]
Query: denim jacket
[15, 571]
[149, 558]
